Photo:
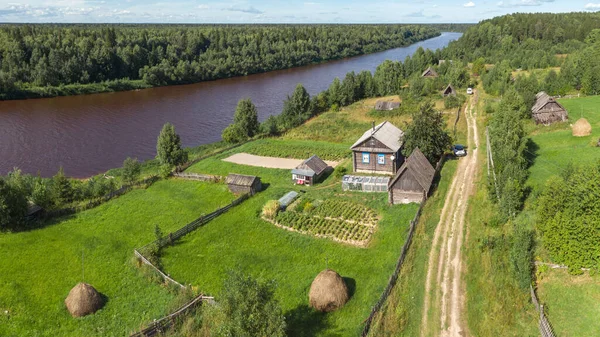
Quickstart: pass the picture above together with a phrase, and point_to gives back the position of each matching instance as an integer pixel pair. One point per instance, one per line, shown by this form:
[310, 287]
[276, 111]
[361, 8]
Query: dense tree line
[525, 40]
[65, 59]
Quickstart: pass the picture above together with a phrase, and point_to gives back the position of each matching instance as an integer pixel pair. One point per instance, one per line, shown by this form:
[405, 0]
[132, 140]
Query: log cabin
[413, 180]
[378, 150]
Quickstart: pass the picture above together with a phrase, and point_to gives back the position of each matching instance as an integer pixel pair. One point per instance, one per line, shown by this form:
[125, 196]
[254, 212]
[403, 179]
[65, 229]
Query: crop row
[335, 228]
[345, 210]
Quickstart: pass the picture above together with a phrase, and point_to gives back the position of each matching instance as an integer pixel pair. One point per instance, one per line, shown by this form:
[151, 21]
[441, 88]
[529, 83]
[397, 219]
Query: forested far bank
[54, 60]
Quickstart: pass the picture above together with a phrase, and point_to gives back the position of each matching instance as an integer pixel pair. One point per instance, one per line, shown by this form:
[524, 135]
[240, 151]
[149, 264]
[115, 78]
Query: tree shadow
[531, 152]
[304, 321]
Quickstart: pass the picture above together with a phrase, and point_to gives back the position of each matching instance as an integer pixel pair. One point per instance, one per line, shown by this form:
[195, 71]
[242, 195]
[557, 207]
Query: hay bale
[83, 300]
[328, 292]
[582, 128]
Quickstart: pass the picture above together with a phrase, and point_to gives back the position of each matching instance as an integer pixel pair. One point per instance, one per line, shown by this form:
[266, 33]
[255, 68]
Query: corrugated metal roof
[386, 133]
[314, 164]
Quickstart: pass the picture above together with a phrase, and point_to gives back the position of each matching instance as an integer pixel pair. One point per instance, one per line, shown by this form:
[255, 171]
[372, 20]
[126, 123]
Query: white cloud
[592, 5]
[469, 4]
[522, 3]
[203, 6]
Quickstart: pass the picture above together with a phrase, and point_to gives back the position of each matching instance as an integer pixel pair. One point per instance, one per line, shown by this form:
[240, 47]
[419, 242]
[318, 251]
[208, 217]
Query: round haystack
[582, 128]
[328, 292]
[83, 300]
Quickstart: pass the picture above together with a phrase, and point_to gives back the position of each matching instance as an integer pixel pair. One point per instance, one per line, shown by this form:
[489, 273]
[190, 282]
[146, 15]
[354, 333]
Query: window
[366, 157]
[381, 159]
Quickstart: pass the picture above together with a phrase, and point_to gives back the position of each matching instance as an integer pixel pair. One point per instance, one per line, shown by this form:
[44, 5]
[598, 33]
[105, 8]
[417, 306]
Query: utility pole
[491, 160]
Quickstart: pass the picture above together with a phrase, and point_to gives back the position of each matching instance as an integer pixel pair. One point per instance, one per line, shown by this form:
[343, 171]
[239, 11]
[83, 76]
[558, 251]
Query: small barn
[413, 180]
[310, 171]
[429, 72]
[381, 105]
[33, 211]
[241, 184]
[547, 110]
[449, 91]
[378, 150]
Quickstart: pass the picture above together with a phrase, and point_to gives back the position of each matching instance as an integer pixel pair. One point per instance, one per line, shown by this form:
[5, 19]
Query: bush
[335, 107]
[271, 209]
[521, 256]
[452, 102]
[234, 134]
[164, 171]
[340, 171]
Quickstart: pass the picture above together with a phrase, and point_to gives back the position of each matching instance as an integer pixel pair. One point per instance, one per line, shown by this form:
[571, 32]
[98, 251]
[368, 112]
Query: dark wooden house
[547, 110]
[311, 171]
[382, 105]
[429, 72]
[241, 184]
[378, 150]
[413, 180]
[449, 91]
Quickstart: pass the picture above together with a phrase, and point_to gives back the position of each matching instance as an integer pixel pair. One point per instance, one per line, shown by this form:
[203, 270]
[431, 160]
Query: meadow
[571, 301]
[40, 267]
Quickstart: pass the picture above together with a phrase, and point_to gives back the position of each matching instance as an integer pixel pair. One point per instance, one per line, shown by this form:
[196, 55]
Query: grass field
[39, 267]
[240, 239]
[555, 146]
[571, 302]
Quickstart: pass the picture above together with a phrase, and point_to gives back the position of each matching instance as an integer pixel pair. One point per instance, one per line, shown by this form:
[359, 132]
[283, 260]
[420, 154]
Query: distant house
[449, 91]
[310, 171]
[547, 110]
[378, 150]
[381, 105]
[33, 211]
[412, 181]
[241, 184]
[429, 72]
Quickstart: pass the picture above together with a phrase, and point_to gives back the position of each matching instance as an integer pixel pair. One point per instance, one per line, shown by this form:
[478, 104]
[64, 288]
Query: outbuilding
[310, 172]
[449, 91]
[413, 180]
[429, 72]
[382, 105]
[378, 150]
[241, 184]
[547, 110]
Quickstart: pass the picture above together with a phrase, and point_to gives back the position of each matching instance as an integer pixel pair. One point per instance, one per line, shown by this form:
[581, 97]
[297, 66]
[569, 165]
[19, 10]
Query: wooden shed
[547, 110]
[429, 72]
[378, 150]
[449, 91]
[240, 184]
[413, 180]
[382, 105]
[311, 171]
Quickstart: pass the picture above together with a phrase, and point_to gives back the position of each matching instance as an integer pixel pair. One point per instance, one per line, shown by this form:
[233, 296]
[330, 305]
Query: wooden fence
[545, 326]
[197, 176]
[172, 237]
[399, 263]
[161, 325]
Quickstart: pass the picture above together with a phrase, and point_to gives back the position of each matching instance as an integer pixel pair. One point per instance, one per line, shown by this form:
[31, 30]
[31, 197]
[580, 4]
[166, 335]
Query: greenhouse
[287, 199]
[365, 184]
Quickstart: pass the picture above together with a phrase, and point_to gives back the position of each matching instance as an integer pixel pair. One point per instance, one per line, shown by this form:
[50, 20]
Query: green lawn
[555, 147]
[571, 303]
[240, 239]
[39, 267]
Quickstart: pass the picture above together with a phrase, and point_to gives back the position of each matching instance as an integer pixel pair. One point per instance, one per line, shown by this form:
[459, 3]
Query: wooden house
[241, 184]
[311, 171]
[382, 105]
[429, 72]
[378, 150]
[413, 180]
[547, 110]
[449, 91]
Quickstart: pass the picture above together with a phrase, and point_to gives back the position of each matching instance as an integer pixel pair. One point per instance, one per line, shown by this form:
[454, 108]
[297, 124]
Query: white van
[470, 91]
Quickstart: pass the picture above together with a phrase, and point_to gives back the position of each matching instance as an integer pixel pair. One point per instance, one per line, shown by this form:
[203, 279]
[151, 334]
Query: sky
[269, 11]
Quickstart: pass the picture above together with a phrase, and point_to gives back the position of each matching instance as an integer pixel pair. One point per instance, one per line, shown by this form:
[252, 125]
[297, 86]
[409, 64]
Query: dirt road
[268, 162]
[444, 289]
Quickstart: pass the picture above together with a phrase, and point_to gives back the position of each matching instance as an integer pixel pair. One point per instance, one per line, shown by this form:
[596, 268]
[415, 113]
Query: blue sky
[268, 11]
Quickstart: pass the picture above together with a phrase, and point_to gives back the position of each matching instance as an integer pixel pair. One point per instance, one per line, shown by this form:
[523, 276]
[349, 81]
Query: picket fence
[545, 326]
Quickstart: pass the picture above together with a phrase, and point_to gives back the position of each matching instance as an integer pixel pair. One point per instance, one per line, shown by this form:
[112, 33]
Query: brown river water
[89, 134]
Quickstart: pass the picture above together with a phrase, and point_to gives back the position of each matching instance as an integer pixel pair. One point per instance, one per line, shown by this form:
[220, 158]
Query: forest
[51, 60]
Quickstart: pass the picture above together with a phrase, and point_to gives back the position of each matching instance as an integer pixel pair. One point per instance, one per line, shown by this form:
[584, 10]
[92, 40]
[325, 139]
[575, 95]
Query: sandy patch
[268, 162]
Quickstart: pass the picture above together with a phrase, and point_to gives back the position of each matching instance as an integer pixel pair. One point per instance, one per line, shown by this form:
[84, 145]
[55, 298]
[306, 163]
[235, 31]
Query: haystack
[582, 128]
[83, 300]
[328, 292]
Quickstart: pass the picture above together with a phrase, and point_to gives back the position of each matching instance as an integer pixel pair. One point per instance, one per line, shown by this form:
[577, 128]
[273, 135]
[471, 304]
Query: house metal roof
[386, 133]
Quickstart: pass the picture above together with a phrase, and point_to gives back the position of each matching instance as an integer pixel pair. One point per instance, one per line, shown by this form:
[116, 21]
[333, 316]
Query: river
[89, 134]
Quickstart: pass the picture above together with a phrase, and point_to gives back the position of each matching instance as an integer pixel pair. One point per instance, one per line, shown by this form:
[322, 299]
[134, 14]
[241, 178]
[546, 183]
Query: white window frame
[367, 156]
[381, 159]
